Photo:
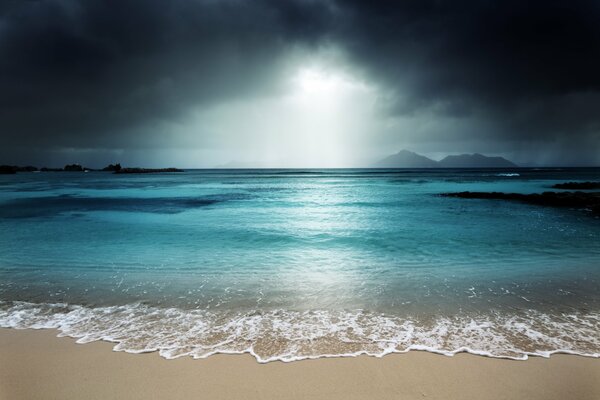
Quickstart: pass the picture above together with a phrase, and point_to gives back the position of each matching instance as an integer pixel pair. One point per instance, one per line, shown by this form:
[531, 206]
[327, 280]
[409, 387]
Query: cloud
[530, 68]
[514, 77]
[86, 73]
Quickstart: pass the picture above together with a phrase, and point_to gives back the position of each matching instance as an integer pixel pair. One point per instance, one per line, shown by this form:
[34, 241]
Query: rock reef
[13, 169]
[115, 168]
[74, 168]
[577, 185]
[579, 200]
[409, 159]
[112, 167]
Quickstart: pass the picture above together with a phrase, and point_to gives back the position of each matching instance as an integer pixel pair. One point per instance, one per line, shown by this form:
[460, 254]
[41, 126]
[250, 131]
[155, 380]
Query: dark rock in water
[577, 185]
[111, 167]
[46, 169]
[8, 169]
[146, 170]
[27, 168]
[12, 169]
[580, 200]
[73, 168]
[475, 161]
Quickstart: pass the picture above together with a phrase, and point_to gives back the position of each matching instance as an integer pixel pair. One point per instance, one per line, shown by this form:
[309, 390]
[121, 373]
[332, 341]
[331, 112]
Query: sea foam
[295, 335]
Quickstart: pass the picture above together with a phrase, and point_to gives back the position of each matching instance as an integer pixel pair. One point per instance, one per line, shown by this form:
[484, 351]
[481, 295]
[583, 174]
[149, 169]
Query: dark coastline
[117, 169]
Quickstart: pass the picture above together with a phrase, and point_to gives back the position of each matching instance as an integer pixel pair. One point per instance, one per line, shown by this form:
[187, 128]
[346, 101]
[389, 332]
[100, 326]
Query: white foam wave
[295, 335]
[508, 174]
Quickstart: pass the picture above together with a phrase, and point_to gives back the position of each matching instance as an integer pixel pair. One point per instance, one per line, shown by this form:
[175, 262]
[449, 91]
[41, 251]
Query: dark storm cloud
[496, 52]
[513, 60]
[82, 73]
[104, 74]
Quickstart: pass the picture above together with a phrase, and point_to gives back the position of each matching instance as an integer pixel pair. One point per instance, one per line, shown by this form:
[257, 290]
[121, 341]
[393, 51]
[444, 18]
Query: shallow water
[290, 264]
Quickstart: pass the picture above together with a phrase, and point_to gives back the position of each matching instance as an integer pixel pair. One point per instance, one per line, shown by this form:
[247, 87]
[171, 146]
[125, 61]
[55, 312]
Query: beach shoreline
[37, 364]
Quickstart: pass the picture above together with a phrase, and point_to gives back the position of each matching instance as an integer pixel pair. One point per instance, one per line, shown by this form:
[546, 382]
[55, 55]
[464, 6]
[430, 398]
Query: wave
[295, 335]
[508, 174]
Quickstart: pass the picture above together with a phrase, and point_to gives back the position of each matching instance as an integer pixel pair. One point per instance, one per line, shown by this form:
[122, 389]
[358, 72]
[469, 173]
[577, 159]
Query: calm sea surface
[290, 264]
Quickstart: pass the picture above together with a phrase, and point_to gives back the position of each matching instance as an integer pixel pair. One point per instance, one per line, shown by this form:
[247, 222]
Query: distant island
[475, 161]
[406, 159]
[409, 159]
[117, 169]
[13, 169]
[114, 168]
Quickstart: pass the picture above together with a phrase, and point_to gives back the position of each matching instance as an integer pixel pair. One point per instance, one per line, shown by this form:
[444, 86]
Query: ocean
[295, 264]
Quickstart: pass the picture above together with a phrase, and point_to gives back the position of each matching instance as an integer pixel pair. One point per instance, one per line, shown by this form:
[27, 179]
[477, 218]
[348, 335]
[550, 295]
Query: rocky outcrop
[577, 185]
[12, 169]
[73, 168]
[8, 169]
[112, 167]
[116, 168]
[579, 200]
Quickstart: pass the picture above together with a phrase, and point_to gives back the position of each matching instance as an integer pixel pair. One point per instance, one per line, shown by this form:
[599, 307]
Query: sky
[302, 83]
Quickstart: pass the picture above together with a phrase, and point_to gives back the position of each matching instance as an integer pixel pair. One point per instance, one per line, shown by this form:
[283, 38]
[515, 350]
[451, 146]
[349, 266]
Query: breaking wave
[296, 335]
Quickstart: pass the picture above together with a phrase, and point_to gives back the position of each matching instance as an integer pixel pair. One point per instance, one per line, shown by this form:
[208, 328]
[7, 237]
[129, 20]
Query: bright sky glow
[318, 121]
[318, 82]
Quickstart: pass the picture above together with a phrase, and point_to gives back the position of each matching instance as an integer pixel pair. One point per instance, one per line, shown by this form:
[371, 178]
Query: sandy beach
[35, 364]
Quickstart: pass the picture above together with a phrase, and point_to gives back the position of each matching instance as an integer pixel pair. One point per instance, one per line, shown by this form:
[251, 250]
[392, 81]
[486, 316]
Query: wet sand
[35, 364]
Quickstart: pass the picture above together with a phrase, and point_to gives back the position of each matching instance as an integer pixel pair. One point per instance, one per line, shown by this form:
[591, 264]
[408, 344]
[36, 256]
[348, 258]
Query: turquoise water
[289, 264]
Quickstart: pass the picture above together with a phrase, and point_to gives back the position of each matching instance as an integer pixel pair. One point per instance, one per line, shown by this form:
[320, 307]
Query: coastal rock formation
[579, 200]
[577, 185]
[12, 169]
[116, 168]
[112, 167]
[46, 169]
[7, 169]
[73, 168]
[28, 168]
